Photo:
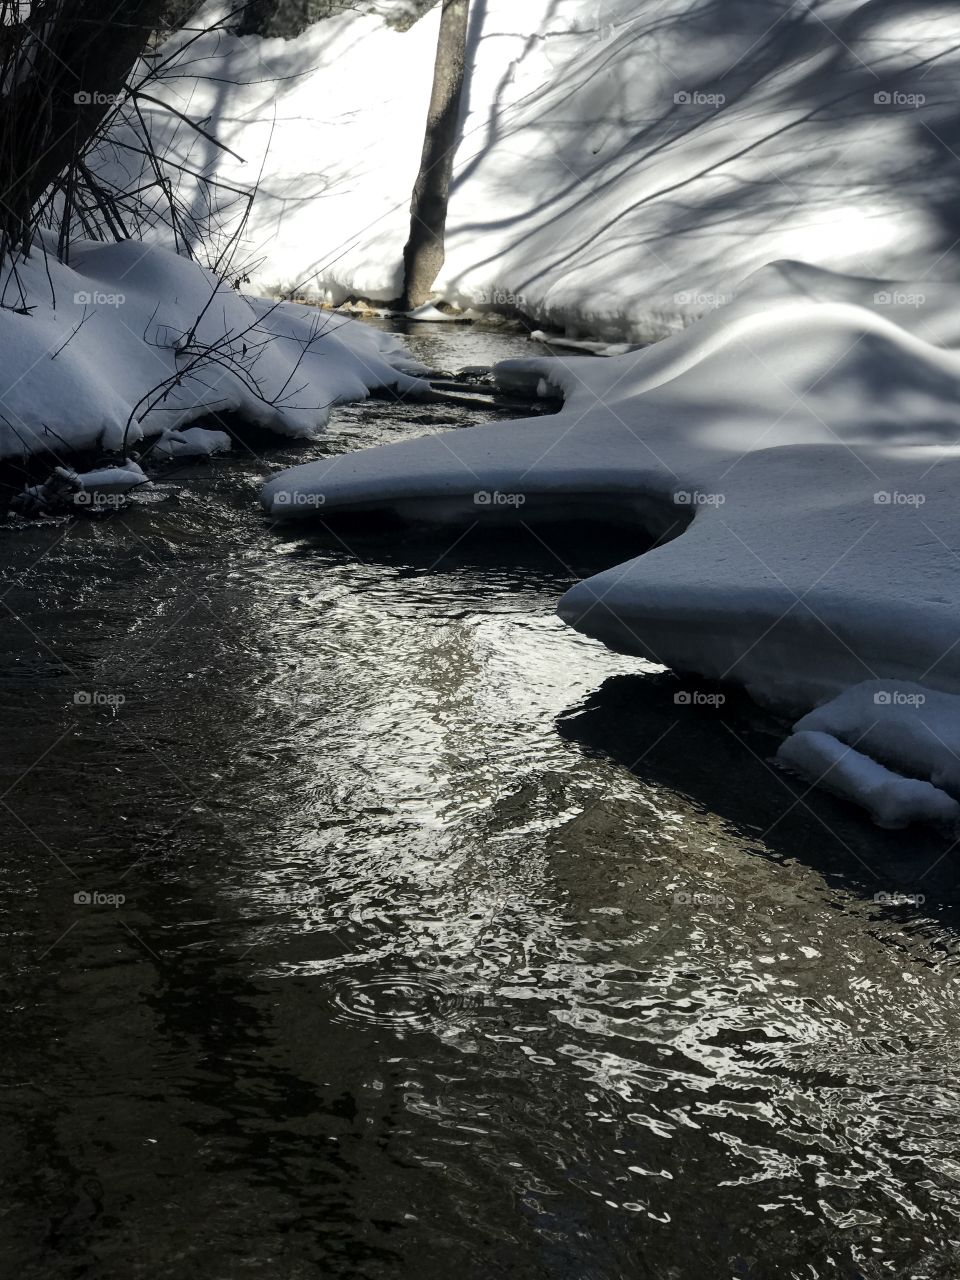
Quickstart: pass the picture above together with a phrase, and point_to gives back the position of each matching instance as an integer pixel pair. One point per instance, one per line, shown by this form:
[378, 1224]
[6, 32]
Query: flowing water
[362, 920]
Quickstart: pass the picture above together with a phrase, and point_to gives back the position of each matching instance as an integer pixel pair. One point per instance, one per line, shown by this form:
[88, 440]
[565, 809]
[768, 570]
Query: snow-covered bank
[620, 167]
[131, 341]
[799, 453]
[874, 729]
[891, 799]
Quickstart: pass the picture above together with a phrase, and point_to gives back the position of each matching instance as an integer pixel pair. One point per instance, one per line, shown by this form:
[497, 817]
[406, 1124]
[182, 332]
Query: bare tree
[423, 254]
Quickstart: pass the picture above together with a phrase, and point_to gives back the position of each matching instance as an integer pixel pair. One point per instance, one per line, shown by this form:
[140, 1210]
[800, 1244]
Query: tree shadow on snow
[654, 174]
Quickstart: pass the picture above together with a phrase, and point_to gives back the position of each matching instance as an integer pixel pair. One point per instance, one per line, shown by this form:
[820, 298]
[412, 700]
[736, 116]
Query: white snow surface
[92, 347]
[191, 442]
[798, 451]
[892, 801]
[620, 166]
[908, 727]
[111, 480]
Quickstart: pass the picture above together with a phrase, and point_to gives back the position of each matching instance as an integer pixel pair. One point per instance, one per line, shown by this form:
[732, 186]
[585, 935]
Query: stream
[363, 920]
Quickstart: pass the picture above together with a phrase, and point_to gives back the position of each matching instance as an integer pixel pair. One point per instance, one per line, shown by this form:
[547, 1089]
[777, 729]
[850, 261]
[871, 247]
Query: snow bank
[621, 166]
[908, 727]
[134, 335]
[893, 748]
[892, 801]
[797, 453]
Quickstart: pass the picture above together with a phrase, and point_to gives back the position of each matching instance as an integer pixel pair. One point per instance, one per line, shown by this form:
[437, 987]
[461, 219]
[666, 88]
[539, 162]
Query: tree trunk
[423, 254]
[71, 63]
[257, 17]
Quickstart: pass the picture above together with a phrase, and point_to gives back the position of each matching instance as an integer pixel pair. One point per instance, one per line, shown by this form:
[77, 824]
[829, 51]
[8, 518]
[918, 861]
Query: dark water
[450, 944]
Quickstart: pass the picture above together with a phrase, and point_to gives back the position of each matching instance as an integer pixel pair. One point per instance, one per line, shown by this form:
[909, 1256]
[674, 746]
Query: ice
[432, 315]
[891, 800]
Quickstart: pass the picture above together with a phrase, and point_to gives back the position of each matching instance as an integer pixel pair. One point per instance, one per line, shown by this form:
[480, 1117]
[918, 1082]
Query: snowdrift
[621, 166]
[135, 340]
[798, 454]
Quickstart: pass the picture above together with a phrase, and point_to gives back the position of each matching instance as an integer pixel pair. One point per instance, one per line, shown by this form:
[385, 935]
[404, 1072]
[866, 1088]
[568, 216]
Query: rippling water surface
[451, 945]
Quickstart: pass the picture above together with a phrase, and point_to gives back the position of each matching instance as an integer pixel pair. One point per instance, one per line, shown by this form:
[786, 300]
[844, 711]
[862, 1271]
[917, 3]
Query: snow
[798, 453]
[620, 169]
[908, 727]
[192, 442]
[102, 489]
[120, 479]
[432, 315]
[891, 800]
[132, 340]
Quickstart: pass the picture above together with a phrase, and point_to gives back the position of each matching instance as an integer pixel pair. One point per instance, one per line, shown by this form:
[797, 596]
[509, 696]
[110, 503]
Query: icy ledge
[797, 451]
